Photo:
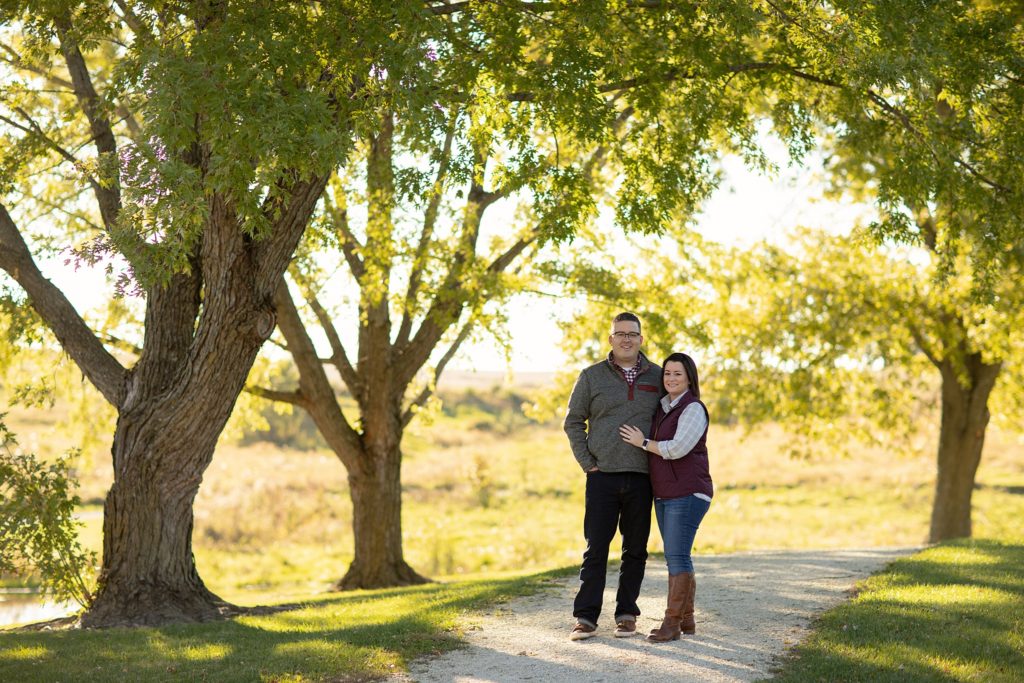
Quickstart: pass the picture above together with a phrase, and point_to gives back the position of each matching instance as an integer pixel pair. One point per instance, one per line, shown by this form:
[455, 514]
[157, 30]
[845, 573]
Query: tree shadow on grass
[932, 617]
[345, 636]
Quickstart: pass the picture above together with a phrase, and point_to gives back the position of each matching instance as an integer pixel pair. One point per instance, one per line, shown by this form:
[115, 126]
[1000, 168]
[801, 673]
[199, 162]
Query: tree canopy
[187, 149]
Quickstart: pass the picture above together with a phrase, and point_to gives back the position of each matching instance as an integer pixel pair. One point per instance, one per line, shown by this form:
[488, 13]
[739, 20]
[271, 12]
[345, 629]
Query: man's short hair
[627, 316]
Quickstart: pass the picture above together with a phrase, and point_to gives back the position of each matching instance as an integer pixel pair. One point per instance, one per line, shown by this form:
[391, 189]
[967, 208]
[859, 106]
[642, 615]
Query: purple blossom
[147, 80]
[140, 173]
[159, 150]
[128, 161]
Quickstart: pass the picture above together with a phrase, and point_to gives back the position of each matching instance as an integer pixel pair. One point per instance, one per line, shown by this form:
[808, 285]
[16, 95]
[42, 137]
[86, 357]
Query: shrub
[38, 531]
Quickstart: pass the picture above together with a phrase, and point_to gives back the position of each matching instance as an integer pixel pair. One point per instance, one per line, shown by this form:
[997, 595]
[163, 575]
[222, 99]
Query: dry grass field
[487, 491]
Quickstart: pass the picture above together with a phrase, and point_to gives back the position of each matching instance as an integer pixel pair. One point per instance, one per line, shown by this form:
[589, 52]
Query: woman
[677, 457]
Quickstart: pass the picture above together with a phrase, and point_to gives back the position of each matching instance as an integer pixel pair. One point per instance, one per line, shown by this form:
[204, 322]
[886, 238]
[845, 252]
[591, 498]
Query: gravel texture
[750, 608]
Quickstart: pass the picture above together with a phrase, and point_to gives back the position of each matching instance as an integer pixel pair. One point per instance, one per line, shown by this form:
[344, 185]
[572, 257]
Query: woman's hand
[631, 435]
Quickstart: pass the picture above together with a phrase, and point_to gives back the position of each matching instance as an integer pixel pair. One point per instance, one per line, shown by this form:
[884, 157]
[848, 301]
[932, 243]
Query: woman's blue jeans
[678, 519]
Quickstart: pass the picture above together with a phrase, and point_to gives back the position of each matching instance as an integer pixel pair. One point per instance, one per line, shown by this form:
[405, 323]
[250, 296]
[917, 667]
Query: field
[486, 490]
[492, 507]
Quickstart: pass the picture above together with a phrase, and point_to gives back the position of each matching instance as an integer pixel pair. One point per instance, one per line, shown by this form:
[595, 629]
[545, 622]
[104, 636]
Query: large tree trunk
[965, 417]
[149, 572]
[377, 525]
[195, 360]
[162, 446]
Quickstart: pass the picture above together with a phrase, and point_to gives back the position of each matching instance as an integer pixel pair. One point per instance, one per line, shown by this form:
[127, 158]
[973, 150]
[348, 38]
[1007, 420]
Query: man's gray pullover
[601, 402]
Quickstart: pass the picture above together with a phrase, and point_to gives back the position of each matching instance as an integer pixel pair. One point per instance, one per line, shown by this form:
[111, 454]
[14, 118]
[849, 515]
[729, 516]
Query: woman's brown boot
[669, 629]
[687, 624]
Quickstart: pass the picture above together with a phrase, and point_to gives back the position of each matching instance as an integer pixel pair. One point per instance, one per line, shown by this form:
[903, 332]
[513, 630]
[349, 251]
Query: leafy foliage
[38, 531]
[920, 102]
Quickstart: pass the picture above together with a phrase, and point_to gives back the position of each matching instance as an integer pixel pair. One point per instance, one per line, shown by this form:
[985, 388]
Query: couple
[637, 443]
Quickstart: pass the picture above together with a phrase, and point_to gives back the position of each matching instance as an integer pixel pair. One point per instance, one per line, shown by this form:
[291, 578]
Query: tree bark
[376, 491]
[162, 446]
[965, 417]
[196, 358]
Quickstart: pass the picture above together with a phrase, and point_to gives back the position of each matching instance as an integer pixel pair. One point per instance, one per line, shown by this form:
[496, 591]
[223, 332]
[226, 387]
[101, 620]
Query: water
[29, 608]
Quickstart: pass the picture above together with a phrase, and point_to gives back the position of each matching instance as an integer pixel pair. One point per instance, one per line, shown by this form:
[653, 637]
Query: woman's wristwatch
[644, 444]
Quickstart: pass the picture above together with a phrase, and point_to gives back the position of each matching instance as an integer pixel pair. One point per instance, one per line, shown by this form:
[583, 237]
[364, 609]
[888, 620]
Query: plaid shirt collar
[630, 374]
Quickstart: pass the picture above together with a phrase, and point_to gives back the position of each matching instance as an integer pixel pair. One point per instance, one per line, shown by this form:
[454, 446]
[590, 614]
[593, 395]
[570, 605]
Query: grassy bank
[341, 637]
[952, 612]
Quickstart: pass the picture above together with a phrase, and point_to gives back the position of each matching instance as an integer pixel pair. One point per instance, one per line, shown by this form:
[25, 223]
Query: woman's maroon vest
[687, 475]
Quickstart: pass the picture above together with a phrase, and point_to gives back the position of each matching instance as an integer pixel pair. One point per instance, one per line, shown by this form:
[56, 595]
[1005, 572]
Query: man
[622, 389]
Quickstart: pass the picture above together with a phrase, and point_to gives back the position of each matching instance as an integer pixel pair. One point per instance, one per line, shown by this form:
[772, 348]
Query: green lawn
[953, 612]
[339, 637]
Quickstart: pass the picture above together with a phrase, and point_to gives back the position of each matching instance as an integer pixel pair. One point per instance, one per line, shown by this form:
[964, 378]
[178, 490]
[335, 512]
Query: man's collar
[641, 360]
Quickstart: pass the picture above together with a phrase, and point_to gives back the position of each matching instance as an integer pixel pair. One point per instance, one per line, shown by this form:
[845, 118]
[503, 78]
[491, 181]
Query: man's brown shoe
[625, 628]
[582, 631]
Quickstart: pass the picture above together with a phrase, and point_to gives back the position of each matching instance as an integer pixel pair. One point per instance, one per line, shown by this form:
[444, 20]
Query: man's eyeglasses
[631, 336]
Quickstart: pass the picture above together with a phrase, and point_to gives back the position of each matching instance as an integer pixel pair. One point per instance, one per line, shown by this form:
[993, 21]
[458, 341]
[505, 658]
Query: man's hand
[595, 468]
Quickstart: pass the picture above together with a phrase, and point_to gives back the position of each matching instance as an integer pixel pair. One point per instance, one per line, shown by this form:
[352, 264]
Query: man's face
[625, 340]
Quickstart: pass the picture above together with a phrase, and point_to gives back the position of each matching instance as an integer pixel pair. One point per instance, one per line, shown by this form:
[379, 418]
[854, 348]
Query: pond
[28, 608]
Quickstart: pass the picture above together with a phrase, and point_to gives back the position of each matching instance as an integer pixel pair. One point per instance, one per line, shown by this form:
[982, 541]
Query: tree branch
[923, 344]
[34, 128]
[427, 392]
[530, 7]
[444, 310]
[292, 397]
[321, 402]
[122, 344]
[133, 21]
[108, 198]
[504, 260]
[279, 344]
[67, 200]
[426, 233]
[349, 244]
[271, 255]
[375, 345]
[75, 337]
[16, 60]
[339, 358]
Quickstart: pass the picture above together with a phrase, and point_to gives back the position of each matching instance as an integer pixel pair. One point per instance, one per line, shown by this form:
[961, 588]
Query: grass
[352, 636]
[952, 612]
[273, 525]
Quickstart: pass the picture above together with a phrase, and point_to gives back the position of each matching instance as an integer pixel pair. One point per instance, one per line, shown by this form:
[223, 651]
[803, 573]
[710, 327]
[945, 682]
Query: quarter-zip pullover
[601, 402]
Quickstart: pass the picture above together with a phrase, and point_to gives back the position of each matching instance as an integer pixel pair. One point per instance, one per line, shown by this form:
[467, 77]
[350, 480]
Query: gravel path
[750, 608]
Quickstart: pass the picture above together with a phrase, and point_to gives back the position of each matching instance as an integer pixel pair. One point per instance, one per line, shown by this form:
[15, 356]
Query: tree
[414, 228]
[943, 176]
[857, 324]
[836, 337]
[186, 147]
[917, 106]
[38, 531]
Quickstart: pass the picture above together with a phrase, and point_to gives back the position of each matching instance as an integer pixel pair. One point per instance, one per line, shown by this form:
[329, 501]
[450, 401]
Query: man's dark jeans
[614, 499]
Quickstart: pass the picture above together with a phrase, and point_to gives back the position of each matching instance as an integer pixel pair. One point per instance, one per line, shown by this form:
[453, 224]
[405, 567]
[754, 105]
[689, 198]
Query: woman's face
[674, 378]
